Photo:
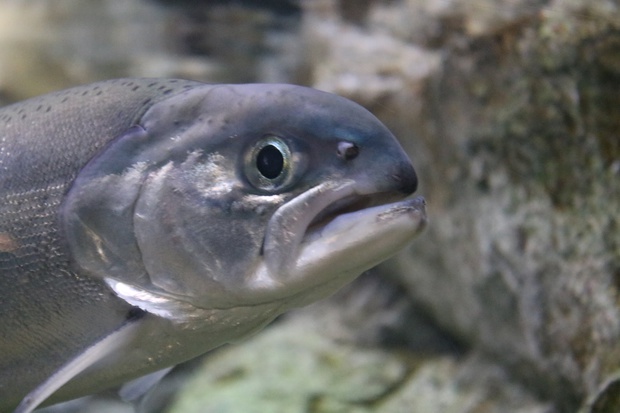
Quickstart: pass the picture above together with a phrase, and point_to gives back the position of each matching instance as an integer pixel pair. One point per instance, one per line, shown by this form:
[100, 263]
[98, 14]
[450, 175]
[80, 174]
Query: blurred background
[509, 109]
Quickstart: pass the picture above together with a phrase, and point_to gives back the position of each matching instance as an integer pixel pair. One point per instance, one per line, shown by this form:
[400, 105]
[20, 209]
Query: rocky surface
[295, 367]
[509, 110]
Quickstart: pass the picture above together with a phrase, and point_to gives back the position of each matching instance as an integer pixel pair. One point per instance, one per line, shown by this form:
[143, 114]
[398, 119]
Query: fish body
[144, 222]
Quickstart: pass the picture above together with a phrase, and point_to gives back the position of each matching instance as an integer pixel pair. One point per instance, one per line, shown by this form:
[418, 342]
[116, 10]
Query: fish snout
[404, 178]
[390, 173]
[396, 178]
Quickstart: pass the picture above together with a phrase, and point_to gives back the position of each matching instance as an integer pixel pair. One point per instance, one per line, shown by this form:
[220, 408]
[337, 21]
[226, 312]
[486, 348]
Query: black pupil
[270, 162]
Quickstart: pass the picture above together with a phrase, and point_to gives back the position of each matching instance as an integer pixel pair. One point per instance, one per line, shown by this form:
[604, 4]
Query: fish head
[229, 196]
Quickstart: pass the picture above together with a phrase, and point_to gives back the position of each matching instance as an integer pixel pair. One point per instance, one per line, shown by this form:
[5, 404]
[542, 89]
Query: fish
[144, 222]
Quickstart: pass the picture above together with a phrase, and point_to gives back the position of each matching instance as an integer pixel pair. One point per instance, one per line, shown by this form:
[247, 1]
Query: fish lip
[351, 203]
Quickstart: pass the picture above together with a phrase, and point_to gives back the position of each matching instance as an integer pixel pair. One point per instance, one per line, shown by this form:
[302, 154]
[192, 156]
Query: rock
[296, 366]
[48, 46]
[53, 45]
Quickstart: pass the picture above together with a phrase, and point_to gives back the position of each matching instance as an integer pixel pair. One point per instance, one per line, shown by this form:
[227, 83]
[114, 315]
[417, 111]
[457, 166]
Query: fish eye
[269, 161]
[268, 164]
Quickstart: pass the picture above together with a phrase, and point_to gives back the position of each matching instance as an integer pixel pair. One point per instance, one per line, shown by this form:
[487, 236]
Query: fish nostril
[348, 150]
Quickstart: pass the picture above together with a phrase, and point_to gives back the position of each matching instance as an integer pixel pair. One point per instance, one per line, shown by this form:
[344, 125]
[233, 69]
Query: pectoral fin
[91, 355]
[135, 389]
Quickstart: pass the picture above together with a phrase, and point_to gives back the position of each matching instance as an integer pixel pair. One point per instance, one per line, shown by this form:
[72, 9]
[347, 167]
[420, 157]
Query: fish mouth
[298, 223]
[325, 237]
[349, 204]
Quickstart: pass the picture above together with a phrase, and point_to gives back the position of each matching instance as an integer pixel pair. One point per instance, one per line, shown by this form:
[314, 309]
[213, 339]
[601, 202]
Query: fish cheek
[196, 241]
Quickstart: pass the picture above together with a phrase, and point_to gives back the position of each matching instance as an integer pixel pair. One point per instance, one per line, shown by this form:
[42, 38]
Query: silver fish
[144, 222]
